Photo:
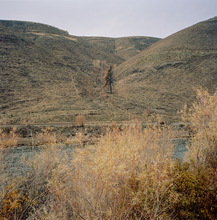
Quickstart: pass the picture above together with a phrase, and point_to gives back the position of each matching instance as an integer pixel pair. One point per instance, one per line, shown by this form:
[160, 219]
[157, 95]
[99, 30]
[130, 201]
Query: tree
[108, 77]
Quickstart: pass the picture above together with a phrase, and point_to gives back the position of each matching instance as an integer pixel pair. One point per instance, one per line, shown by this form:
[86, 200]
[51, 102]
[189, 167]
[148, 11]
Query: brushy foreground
[128, 174]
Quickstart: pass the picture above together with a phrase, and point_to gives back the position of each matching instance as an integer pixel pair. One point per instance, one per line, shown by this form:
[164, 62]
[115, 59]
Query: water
[13, 159]
[14, 156]
[180, 149]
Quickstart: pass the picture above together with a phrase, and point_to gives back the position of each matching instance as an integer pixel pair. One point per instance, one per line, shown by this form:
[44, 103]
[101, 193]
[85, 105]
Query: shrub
[196, 180]
[47, 136]
[203, 117]
[80, 120]
[124, 176]
[8, 138]
[21, 195]
[127, 174]
[11, 203]
[197, 189]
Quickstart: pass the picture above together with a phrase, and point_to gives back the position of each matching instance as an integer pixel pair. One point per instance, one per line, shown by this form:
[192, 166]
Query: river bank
[31, 134]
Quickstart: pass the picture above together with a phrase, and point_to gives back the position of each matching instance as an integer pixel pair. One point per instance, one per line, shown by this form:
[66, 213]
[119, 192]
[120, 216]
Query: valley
[48, 75]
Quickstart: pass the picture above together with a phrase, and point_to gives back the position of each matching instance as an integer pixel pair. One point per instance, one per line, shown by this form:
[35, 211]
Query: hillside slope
[163, 76]
[124, 47]
[48, 75]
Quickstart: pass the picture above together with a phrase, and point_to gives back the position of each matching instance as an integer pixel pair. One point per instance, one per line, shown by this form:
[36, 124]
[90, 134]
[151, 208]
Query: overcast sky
[112, 18]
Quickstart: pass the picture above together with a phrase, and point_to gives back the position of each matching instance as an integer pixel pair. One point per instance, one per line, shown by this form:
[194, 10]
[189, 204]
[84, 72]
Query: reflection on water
[14, 157]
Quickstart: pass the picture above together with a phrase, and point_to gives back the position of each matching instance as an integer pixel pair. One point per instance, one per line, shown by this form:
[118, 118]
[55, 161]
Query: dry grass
[66, 88]
[125, 175]
[8, 138]
[203, 118]
[128, 174]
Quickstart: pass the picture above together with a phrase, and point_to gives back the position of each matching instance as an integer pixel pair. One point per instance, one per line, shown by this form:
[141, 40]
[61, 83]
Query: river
[13, 158]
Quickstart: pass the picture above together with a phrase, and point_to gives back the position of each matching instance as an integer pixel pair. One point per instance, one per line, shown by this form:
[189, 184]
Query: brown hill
[163, 76]
[124, 47]
[48, 75]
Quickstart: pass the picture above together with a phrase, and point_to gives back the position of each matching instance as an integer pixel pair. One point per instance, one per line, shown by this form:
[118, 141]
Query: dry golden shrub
[128, 174]
[196, 181]
[78, 140]
[80, 120]
[47, 136]
[8, 139]
[124, 176]
[203, 118]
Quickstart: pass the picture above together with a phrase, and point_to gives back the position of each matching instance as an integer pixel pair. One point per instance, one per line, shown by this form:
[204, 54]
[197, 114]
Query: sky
[111, 18]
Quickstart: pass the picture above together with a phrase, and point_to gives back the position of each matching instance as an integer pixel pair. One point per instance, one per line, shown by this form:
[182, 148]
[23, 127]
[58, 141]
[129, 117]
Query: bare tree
[108, 77]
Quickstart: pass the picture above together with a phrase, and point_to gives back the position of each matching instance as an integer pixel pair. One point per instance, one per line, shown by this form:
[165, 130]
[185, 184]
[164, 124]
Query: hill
[124, 47]
[49, 75]
[163, 76]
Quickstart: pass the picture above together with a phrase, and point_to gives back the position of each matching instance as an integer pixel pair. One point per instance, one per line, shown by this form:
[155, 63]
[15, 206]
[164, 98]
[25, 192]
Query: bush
[125, 176]
[196, 180]
[203, 118]
[80, 120]
[8, 138]
[11, 203]
[24, 196]
[197, 189]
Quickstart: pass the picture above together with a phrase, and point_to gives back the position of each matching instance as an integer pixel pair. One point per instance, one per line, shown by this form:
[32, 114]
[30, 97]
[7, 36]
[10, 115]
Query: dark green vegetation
[49, 75]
